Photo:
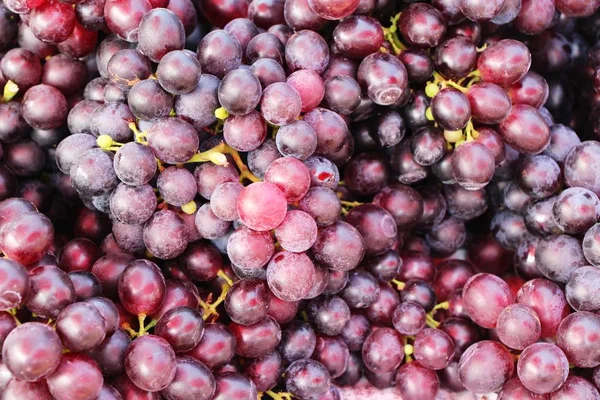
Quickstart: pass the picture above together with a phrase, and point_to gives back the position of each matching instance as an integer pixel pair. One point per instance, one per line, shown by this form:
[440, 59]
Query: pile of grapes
[300, 199]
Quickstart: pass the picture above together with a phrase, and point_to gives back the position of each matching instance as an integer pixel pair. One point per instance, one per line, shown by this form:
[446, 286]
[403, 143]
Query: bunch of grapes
[299, 199]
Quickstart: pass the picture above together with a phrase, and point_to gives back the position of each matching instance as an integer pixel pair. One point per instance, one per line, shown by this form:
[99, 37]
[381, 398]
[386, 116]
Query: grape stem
[210, 308]
[432, 323]
[408, 349]
[276, 396]
[106, 143]
[10, 90]
[441, 306]
[145, 328]
[140, 137]
[399, 284]
[390, 34]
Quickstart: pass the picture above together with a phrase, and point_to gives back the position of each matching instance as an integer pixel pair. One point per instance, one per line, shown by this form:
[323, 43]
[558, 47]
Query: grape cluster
[299, 199]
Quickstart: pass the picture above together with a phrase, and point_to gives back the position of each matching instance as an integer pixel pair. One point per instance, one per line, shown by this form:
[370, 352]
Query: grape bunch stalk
[299, 199]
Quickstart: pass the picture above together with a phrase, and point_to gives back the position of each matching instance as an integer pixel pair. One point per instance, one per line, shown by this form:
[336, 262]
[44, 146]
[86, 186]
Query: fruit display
[299, 199]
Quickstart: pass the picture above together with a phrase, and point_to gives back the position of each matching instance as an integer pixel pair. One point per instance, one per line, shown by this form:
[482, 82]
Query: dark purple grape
[383, 77]
[488, 356]
[306, 378]
[165, 235]
[451, 109]
[456, 57]
[358, 36]
[127, 67]
[422, 25]
[576, 210]
[493, 67]
[558, 256]
[162, 23]
[239, 92]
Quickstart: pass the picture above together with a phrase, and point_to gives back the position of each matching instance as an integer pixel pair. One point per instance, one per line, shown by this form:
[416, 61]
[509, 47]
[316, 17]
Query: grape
[513, 388]
[178, 72]
[478, 11]
[77, 375]
[414, 381]
[165, 235]
[465, 204]
[547, 300]
[52, 21]
[22, 67]
[247, 301]
[281, 104]
[306, 378]
[230, 384]
[297, 232]
[590, 245]
[342, 94]
[258, 214]
[428, 146]
[422, 25]
[534, 17]
[575, 388]
[322, 204]
[108, 310]
[265, 46]
[456, 57]
[224, 199]
[576, 338]
[518, 326]
[150, 363]
[209, 226]
[576, 210]
[127, 67]
[333, 353]
[161, 23]
[485, 296]
[447, 236]
[44, 107]
[260, 159]
[243, 29]
[489, 103]
[383, 350]
[433, 348]
[532, 90]
[383, 77]
[178, 293]
[32, 351]
[110, 354]
[332, 131]
[376, 226]
[402, 202]
[256, 340]
[358, 36]
[366, 173]
[250, 249]
[558, 256]
[239, 92]
[328, 314]
[299, 15]
[173, 140]
[198, 106]
[339, 246]
[580, 290]
[216, 346]
[290, 275]
[245, 132]
[492, 63]
[409, 318]
[209, 176]
[539, 176]
[575, 8]
[132, 205]
[12, 124]
[24, 390]
[14, 285]
[27, 237]
[192, 378]
[267, 71]
[356, 331]
[333, 9]
[542, 368]
[451, 109]
[81, 327]
[103, 121]
[562, 140]
[141, 287]
[148, 101]
[298, 341]
[297, 139]
[182, 327]
[485, 367]
[509, 229]
[124, 16]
